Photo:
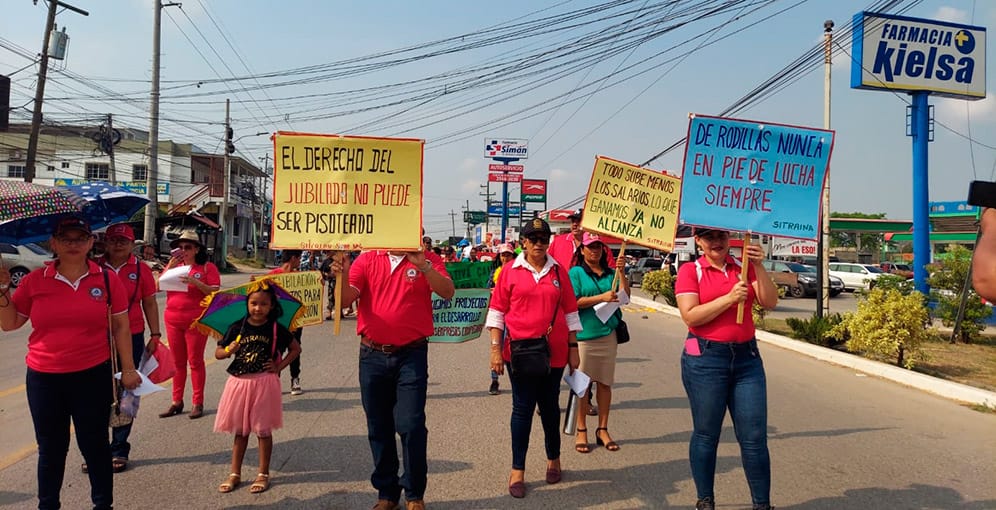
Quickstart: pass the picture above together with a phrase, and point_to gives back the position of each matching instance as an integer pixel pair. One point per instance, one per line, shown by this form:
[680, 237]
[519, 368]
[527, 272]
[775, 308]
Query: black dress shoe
[174, 409]
[196, 412]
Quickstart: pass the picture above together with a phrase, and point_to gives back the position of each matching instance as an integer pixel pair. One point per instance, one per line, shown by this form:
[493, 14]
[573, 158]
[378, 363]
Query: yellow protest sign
[306, 286]
[346, 192]
[632, 203]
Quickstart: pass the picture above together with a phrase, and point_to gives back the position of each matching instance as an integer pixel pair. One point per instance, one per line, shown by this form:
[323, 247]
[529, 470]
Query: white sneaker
[296, 386]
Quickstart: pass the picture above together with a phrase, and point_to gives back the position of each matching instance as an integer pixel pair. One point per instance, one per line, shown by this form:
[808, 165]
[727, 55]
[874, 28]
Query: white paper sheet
[578, 381]
[605, 310]
[143, 389]
[170, 280]
[148, 364]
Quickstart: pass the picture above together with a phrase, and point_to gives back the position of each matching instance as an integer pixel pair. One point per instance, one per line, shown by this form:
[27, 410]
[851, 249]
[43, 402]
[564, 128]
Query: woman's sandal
[260, 484]
[119, 464]
[582, 447]
[611, 445]
[230, 483]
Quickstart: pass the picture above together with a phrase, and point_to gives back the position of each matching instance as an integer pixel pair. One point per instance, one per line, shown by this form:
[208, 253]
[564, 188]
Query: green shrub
[815, 330]
[947, 282]
[887, 325]
[895, 282]
[660, 283]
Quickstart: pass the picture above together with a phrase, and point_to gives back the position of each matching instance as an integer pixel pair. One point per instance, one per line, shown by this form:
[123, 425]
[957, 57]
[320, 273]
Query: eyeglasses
[538, 239]
[73, 240]
[186, 247]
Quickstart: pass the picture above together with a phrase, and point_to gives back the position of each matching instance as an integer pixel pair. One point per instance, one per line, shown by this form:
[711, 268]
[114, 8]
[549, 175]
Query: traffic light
[229, 146]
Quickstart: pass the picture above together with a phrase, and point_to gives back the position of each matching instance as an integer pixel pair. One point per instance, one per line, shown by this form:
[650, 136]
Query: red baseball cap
[120, 230]
[590, 239]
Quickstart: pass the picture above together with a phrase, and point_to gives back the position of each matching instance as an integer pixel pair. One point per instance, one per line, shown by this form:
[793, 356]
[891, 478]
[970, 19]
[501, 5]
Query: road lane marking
[11, 391]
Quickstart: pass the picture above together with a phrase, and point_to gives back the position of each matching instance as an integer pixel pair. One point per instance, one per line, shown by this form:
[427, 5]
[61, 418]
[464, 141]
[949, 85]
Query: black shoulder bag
[530, 357]
[622, 330]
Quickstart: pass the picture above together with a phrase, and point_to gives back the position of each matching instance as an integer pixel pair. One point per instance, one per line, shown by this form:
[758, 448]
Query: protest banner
[759, 177]
[461, 318]
[637, 205]
[306, 286]
[470, 275]
[346, 192]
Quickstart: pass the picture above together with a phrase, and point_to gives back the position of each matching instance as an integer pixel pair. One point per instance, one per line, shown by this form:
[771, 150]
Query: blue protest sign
[754, 176]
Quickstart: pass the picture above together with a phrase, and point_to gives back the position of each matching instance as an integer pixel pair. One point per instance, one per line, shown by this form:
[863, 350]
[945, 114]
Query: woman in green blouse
[592, 281]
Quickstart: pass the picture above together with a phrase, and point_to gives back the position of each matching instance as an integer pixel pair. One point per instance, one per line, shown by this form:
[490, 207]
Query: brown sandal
[582, 447]
[230, 483]
[610, 445]
[260, 484]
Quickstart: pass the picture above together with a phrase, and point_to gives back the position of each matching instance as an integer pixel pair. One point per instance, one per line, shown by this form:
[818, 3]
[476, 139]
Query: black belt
[389, 348]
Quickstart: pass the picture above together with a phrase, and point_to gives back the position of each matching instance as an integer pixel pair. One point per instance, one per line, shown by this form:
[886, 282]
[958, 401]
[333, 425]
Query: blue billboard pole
[504, 196]
[920, 131]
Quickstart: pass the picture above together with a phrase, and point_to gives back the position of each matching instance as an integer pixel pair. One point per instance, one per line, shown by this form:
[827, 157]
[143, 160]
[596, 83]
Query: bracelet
[129, 371]
[155, 335]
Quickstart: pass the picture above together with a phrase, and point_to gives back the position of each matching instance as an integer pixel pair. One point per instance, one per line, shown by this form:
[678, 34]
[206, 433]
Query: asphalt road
[838, 440]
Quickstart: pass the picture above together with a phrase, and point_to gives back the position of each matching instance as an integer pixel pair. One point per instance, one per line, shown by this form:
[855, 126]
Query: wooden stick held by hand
[743, 276]
[616, 280]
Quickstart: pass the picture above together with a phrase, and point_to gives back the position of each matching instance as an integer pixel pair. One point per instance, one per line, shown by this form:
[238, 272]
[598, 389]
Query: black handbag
[530, 357]
[622, 332]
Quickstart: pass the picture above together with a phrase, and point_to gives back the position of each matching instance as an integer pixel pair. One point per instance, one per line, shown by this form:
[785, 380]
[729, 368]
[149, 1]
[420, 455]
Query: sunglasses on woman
[538, 239]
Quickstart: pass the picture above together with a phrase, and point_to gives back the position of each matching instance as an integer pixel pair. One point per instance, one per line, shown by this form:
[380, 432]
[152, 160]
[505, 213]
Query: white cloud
[470, 186]
[952, 112]
[559, 174]
[470, 165]
[950, 14]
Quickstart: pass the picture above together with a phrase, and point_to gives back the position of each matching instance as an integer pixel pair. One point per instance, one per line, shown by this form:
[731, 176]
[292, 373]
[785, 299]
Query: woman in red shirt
[69, 367]
[182, 309]
[534, 298]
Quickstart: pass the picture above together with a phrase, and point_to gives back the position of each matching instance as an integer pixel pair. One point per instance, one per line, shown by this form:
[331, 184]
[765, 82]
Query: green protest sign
[470, 275]
[461, 318]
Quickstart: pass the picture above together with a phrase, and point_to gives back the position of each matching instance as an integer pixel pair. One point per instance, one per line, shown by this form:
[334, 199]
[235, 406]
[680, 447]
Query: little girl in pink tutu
[251, 401]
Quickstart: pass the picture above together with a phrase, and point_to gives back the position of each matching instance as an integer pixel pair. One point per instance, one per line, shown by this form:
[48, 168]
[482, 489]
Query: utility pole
[453, 222]
[36, 116]
[823, 253]
[262, 203]
[110, 152]
[468, 222]
[152, 175]
[224, 188]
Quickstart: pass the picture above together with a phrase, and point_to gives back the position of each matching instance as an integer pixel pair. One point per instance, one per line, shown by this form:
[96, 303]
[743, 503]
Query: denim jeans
[85, 398]
[120, 447]
[728, 376]
[295, 364]
[527, 393]
[393, 388]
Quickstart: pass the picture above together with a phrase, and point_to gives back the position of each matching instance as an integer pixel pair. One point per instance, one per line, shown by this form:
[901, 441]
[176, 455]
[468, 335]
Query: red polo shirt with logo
[139, 283]
[562, 248]
[68, 325]
[190, 302]
[395, 307]
[529, 306]
[714, 284]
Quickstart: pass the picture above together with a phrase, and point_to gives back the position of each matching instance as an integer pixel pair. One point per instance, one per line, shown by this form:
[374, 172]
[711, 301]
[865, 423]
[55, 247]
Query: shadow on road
[914, 497]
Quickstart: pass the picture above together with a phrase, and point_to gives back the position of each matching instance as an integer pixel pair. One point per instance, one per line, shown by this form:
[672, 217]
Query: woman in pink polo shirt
[721, 366]
[534, 299]
[182, 308]
[69, 367]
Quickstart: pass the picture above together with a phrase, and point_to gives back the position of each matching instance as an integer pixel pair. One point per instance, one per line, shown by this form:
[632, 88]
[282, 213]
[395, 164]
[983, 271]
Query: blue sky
[870, 165]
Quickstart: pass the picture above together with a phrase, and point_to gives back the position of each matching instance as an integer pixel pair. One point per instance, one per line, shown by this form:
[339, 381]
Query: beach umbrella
[29, 212]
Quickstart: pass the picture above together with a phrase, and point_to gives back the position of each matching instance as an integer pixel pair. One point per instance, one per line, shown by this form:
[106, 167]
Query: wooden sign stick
[743, 276]
[337, 298]
[616, 280]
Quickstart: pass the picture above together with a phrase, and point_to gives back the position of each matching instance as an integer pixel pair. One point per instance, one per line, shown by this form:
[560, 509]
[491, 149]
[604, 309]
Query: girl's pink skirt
[250, 403]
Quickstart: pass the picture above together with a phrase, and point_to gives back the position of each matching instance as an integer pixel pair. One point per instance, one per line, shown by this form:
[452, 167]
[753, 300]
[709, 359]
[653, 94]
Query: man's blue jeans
[85, 398]
[728, 376]
[527, 394]
[393, 388]
[120, 447]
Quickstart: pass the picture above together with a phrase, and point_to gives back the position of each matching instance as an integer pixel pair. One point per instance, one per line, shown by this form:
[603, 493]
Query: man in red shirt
[291, 263]
[394, 319]
[140, 289]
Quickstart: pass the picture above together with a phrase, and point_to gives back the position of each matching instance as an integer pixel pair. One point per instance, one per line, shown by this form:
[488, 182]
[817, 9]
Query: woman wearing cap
[534, 299]
[721, 366]
[69, 369]
[182, 308]
[592, 280]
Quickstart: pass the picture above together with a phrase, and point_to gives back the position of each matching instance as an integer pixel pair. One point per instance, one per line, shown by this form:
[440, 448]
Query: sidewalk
[940, 387]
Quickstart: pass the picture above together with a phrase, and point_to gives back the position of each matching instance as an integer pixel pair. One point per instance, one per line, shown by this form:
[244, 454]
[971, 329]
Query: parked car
[642, 267]
[856, 276]
[904, 270]
[22, 259]
[804, 283]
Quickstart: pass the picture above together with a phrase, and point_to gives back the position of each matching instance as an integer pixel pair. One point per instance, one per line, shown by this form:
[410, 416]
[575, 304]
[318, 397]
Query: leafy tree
[660, 283]
[947, 281]
[886, 325]
[869, 242]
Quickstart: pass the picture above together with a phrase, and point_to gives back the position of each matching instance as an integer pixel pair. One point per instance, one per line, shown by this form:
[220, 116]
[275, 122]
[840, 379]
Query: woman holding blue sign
[593, 283]
[721, 366]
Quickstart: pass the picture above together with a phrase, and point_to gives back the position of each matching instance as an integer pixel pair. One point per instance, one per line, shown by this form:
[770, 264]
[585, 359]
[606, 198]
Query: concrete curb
[940, 387]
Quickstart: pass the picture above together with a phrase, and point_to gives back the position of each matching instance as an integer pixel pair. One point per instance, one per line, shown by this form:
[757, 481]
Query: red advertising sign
[506, 168]
[533, 190]
[493, 177]
[560, 214]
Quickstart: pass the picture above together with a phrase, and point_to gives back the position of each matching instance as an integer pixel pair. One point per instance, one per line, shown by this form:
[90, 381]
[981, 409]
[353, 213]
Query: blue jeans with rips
[393, 391]
[727, 376]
